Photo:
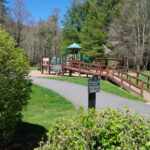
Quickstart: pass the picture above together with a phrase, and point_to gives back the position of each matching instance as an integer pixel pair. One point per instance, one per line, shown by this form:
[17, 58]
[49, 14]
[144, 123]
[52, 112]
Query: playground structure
[117, 73]
[54, 64]
[112, 69]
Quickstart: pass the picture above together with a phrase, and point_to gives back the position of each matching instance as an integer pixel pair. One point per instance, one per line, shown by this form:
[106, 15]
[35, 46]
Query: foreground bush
[107, 130]
[15, 86]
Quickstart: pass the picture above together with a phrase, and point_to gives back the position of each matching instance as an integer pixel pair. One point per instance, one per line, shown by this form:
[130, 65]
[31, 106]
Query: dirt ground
[36, 73]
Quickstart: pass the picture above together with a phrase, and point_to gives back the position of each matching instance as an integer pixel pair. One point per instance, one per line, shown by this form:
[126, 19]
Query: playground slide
[85, 60]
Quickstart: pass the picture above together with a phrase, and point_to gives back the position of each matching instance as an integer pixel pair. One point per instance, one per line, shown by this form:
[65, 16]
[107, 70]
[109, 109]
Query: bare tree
[131, 29]
[49, 35]
[45, 38]
[31, 45]
[20, 19]
[53, 23]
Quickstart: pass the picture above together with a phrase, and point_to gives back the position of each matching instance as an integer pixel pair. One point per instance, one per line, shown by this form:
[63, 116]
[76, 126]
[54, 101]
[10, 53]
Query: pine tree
[87, 23]
[93, 34]
[73, 22]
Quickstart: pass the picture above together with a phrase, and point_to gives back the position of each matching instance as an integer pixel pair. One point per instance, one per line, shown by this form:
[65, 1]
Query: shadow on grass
[27, 137]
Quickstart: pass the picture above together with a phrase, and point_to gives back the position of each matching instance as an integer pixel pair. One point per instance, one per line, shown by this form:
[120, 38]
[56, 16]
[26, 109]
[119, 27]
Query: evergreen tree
[73, 22]
[87, 23]
[93, 34]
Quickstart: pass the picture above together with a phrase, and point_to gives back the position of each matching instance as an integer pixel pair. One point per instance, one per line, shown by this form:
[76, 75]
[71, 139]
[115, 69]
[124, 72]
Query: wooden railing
[82, 67]
[112, 73]
[138, 76]
[129, 79]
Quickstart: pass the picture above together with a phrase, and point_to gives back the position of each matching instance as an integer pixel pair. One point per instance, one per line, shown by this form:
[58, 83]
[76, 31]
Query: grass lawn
[41, 112]
[145, 78]
[46, 106]
[141, 77]
[146, 72]
[105, 86]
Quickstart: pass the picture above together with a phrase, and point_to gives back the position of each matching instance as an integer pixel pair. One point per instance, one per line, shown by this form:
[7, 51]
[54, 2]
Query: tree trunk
[138, 67]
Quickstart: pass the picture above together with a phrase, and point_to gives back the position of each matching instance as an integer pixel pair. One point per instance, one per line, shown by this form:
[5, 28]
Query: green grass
[146, 72]
[143, 78]
[46, 106]
[105, 86]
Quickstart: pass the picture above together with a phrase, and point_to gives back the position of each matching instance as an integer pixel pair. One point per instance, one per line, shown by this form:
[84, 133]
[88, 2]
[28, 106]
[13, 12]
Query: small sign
[93, 84]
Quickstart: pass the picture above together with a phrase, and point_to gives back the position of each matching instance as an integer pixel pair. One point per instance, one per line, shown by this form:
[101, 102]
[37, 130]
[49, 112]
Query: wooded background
[122, 26]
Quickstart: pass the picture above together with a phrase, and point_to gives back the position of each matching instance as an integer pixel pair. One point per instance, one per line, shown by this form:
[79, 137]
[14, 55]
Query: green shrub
[105, 130]
[15, 86]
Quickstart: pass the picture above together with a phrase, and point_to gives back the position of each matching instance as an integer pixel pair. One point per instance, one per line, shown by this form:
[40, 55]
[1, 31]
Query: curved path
[78, 95]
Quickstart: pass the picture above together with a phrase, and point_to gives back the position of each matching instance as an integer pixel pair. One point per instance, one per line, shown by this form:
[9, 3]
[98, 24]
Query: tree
[3, 10]
[55, 31]
[131, 29]
[73, 22]
[31, 45]
[93, 34]
[81, 24]
[45, 38]
[20, 18]
[49, 34]
[15, 85]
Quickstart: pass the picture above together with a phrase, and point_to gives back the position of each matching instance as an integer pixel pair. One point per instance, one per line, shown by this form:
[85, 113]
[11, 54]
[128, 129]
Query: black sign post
[93, 87]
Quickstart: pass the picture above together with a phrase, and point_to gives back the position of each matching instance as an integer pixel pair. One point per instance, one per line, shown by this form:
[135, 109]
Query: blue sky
[44, 8]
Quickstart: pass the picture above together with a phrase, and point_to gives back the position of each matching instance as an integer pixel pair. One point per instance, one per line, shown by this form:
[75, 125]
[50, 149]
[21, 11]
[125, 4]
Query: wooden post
[62, 67]
[137, 75]
[79, 69]
[96, 67]
[118, 70]
[70, 73]
[148, 84]
[100, 70]
[87, 70]
[121, 79]
[107, 72]
[142, 88]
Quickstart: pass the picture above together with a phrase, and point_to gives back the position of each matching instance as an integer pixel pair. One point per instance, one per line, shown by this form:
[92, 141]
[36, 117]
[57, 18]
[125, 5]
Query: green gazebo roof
[74, 46]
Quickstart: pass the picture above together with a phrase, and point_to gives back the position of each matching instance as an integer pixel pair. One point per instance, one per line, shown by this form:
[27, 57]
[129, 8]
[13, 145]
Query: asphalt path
[78, 95]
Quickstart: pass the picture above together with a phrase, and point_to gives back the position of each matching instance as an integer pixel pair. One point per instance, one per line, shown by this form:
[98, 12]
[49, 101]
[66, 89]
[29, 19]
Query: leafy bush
[15, 86]
[108, 129]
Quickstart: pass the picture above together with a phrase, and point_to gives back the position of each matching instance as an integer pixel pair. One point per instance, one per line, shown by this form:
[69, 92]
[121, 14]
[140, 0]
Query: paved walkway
[78, 95]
